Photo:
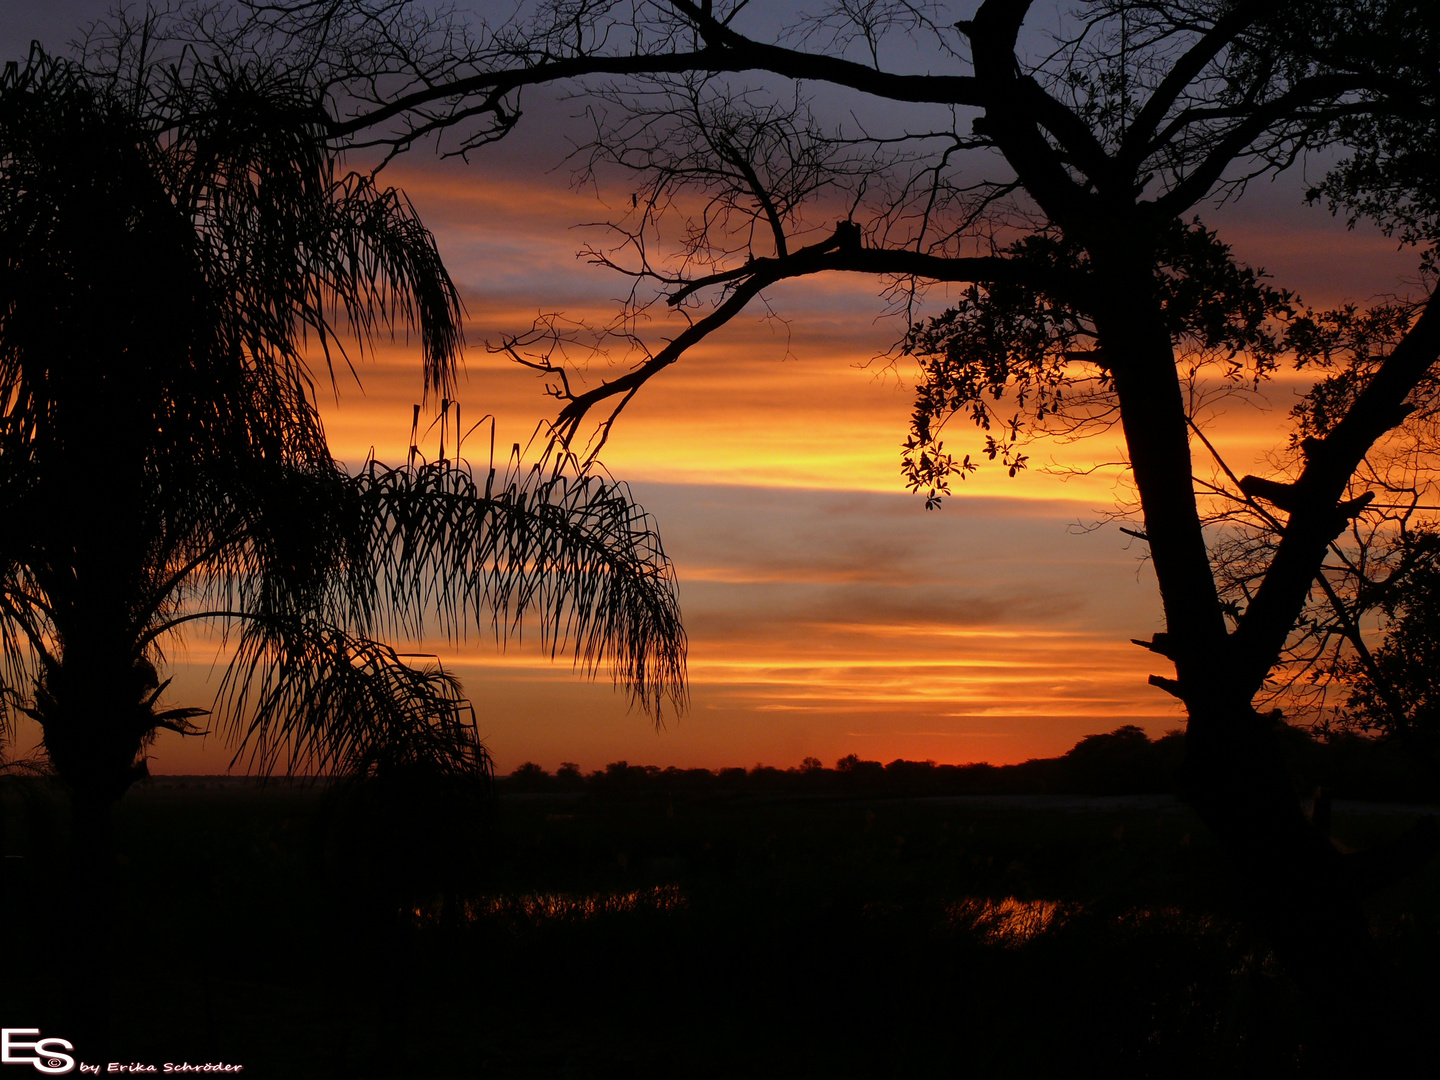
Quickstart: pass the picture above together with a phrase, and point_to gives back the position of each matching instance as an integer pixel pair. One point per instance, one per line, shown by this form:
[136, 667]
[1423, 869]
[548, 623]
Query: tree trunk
[1299, 887]
[86, 981]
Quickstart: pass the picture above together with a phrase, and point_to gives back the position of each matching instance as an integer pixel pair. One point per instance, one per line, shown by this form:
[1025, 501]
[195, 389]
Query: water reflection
[1009, 921]
[542, 907]
[1006, 922]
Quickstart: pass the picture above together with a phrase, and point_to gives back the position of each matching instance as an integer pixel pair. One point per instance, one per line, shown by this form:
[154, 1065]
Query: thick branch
[1304, 94]
[1316, 495]
[839, 252]
[1136, 142]
[1013, 114]
[735, 54]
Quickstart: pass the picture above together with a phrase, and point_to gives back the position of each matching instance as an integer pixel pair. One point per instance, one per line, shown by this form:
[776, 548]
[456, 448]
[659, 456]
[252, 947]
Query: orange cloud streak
[828, 612]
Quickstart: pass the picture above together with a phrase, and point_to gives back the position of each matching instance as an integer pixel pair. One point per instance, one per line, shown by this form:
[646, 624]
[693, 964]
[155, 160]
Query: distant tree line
[1123, 762]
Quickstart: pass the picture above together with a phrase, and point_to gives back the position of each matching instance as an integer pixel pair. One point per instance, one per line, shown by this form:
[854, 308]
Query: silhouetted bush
[530, 778]
[732, 778]
[1124, 762]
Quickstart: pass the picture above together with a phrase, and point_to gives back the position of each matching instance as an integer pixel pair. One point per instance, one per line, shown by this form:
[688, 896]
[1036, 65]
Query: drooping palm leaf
[311, 695]
[571, 551]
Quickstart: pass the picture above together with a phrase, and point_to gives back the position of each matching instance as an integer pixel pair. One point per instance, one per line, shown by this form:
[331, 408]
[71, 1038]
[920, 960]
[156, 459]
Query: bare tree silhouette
[173, 240]
[1395, 690]
[1052, 162]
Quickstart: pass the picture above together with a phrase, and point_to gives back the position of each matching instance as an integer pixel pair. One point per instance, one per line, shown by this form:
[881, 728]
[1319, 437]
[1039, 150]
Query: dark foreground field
[715, 937]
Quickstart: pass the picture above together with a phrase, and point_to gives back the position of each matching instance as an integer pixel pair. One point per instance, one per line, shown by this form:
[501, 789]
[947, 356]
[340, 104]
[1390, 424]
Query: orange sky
[828, 612]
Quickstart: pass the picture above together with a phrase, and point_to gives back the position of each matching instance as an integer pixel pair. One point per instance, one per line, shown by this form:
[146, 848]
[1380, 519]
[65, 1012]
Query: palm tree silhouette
[171, 249]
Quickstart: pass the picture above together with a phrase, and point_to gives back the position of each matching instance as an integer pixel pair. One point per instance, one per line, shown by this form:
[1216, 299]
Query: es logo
[48, 1054]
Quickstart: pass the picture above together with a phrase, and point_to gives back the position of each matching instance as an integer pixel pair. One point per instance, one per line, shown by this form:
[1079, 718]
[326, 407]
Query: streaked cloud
[986, 631]
[828, 612]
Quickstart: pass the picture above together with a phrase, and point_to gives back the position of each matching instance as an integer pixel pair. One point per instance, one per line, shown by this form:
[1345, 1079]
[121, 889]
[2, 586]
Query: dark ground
[702, 937]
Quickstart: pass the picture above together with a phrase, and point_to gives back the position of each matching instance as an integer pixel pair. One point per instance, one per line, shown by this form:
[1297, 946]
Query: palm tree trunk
[86, 978]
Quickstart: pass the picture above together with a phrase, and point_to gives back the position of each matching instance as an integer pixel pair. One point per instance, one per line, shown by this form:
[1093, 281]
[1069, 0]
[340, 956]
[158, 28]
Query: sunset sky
[828, 612]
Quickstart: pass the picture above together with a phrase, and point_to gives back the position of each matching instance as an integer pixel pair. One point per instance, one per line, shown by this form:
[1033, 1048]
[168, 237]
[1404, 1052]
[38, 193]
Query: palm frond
[306, 252]
[322, 700]
[569, 550]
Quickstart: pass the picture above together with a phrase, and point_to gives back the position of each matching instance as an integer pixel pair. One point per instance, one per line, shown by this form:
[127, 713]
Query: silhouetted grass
[699, 937]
